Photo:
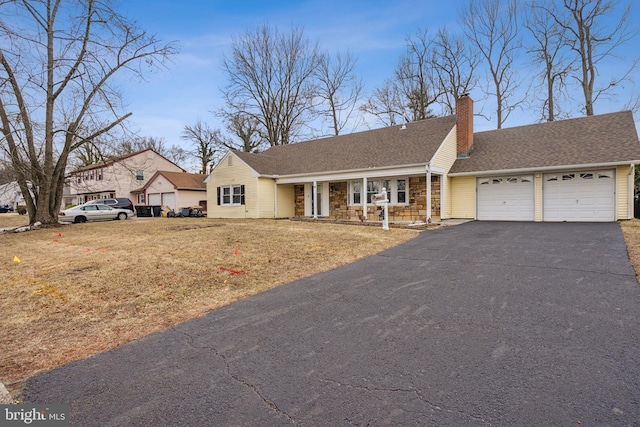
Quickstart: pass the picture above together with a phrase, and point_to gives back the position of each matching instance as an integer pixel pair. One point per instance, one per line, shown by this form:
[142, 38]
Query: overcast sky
[374, 31]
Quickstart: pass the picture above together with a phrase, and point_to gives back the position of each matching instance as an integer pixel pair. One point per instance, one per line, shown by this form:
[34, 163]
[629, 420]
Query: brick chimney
[464, 111]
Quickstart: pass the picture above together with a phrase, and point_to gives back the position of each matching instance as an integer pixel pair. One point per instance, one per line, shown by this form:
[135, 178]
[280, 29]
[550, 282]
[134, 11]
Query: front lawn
[79, 289]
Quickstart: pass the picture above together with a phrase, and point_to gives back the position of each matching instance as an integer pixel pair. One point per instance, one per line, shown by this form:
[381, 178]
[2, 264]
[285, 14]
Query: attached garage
[169, 199]
[506, 198]
[579, 196]
[154, 199]
[163, 199]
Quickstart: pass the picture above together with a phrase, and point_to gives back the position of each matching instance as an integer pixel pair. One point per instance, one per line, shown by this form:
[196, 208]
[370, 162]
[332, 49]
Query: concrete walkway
[482, 324]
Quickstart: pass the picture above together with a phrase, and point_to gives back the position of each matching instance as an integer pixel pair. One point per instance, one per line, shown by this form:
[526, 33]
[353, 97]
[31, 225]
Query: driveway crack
[272, 405]
[433, 406]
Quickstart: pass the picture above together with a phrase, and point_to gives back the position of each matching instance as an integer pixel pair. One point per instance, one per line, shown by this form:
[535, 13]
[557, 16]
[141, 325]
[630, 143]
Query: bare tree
[339, 88]
[548, 49]
[414, 88]
[416, 77]
[455, 64]
[586, 26]
[270, 80]
[139, 143]
[386, 104]
[205, 141]
[494, 32]
[57, 61]
[245, 128]
[86, 154]
[6, 172]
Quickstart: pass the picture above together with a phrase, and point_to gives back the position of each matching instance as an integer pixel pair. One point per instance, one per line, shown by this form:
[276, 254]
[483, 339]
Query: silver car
[84, 213]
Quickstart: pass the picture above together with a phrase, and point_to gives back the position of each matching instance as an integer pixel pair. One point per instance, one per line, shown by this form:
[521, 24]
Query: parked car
[118, 202]
[93, 212]
[6, 208]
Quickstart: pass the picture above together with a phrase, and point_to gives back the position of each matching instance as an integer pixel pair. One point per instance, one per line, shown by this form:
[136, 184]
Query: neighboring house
[572, 170]
[176, 190]
[122, 176]
[11, 194]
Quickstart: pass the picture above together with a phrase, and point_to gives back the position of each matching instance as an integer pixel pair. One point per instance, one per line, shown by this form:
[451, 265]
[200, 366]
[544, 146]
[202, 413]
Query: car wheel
[122, 216]
[80, 219]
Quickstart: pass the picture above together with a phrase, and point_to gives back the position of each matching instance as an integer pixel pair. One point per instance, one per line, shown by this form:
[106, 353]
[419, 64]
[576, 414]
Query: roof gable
[601, 139]
[180, 180]
[410, 144]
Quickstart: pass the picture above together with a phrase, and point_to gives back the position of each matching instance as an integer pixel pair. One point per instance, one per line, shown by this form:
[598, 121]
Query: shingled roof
[602, 139]
[416, 143]
[182, 180]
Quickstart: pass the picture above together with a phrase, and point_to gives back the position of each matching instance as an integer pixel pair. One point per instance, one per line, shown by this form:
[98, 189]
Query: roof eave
[545, 168]
[334, 172]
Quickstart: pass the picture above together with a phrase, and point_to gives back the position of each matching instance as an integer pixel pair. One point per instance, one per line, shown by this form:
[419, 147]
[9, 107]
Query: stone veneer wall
[299, 200]
[416, 210]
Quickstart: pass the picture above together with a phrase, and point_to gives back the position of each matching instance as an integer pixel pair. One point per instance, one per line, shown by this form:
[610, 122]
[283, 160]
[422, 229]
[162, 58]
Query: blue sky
[374, 31]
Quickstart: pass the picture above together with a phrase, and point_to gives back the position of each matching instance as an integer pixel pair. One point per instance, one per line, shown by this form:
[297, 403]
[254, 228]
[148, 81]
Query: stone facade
[299, 200]
[416, 210]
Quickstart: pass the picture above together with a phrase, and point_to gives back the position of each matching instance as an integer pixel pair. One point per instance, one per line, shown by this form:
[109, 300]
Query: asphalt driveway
[480, 324]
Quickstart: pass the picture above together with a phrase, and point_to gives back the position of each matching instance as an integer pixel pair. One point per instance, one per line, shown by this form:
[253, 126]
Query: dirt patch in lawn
[80, 289]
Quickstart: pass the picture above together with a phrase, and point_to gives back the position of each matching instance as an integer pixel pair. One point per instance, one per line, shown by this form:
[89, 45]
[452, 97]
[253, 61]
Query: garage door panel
[154, 198]
[579, 196]
[169, 200]
[506, 198]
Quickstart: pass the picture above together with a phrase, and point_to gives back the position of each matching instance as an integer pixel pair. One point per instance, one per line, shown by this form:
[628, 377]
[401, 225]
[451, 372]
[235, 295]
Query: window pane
[402, 191]
[373, 187]
[237, 199]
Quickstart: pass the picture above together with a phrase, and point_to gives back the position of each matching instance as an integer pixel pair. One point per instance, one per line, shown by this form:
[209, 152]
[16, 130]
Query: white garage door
[154, 199]
[506, 198]
[169, 199]
[579, 196]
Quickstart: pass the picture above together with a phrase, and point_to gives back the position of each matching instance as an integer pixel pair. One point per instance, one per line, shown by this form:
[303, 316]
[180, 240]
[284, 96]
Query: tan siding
[286, 201]
[538, 196]
[265, 198]
[187, 198]
[236, 174]
[622, 192]
[444, 159]
[463, 197]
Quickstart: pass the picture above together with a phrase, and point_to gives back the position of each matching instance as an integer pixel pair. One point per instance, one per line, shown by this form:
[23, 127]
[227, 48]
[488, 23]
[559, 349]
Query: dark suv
[118, 202]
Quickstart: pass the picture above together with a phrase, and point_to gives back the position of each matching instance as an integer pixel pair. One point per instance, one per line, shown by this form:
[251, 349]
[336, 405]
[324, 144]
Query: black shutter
[242, 194]
[218, 196]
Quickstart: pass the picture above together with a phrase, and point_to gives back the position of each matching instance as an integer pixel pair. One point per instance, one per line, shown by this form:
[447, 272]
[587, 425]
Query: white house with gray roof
[572, 170]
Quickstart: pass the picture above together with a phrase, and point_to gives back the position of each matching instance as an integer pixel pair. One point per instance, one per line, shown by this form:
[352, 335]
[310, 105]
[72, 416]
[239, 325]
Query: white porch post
[314, 197]
[275, 199]
[429, 192]
[364, 198]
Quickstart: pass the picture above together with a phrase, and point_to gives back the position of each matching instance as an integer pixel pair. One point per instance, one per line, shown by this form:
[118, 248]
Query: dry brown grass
[81, 289]
[631, 233]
